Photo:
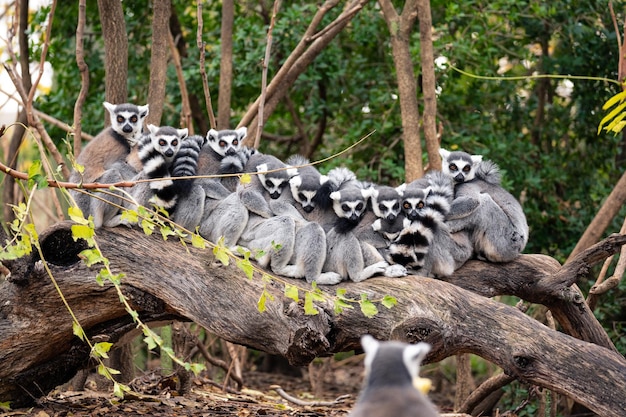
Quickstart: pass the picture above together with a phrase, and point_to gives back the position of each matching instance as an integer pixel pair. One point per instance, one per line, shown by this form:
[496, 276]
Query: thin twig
[216, 362]
[297, 401]
[266, 59]
[203, 76]
[186, 116]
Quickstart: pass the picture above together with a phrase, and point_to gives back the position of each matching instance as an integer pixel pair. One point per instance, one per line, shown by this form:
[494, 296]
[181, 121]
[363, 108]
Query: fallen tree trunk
[165, 280]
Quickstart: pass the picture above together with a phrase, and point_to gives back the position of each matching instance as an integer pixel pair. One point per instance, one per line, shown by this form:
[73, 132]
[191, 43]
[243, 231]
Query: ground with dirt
[326, 388]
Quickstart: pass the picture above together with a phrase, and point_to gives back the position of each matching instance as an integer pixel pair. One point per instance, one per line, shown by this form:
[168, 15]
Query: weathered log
[166, 280]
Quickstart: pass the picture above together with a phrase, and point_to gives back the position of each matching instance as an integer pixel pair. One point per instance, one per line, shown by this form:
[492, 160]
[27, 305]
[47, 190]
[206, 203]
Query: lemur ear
[401, 188]
[335, 196]
[477, 159]
[323, 179]
[367, 192]
[261, 168]
[182, 133]
[211, 135]
[153, 129]
[241, 133]
[110, 107]
[374, 193]
[295, 181]
[143, 111]
[292, 172]
[444, 153]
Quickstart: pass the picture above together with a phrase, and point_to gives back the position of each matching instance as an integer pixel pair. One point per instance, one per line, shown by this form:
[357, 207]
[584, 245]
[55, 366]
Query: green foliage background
[552, 158]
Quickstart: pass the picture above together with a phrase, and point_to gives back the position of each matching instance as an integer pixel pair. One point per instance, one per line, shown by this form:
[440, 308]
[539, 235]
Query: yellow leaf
[77, 215]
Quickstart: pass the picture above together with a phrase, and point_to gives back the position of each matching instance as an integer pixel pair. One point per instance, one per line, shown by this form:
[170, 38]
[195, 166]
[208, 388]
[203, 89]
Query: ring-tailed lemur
[391, 380]
[492, 217]
[273, 235]
[426, 244]
[310, 240]
[224, 216]
[109, 147]
[345, 254]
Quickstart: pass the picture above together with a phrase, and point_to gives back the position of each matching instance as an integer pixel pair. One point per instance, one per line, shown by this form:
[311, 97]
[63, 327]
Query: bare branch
[205, 82]
[186, 108]
[268, 48]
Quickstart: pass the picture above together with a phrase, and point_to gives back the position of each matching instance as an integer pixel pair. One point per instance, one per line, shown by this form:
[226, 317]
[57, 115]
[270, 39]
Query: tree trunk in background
[158, 60]
[8, 193]
[226, 65]
[115, 52]
[429, 84]
[400, 31]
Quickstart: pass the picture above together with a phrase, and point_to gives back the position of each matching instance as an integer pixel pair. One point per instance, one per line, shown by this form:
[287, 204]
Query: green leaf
[166, 231]
[119, 389]
[617, 97]
[291, 291]
[149, 340]
[246, 266]
[309, 308]
[6, 405]
[368, 308]
[339, 305]
[196, 368]
[245, 179]
[147, 226]
[220, 252]
[389, 301]
[76, 215]
[101, 349]
[78, 331]
[131, 216]
[92, 257]
[198, 241]
[35, 177]
[102, 370]
[261, 303]
[81, 231]
[266, 278]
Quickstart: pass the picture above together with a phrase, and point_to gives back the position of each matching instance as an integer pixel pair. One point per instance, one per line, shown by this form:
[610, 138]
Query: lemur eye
[162, 142]
[120, 119]
[235, 142]
[396, 206]
[175, 142]
[406, 205]
[381, 207]
[359, 206]
[133, 119]
[345, 207]
[453, 167]
[301, 197]
[268, 184]
[420, 204]
[467, 168]
[223, 143]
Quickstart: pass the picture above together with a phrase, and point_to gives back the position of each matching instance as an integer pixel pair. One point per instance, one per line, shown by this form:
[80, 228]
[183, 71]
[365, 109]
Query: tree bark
[226, 65]
[165, 280]
[115, 51]
[400, 27]
[158, 60]
[429, 84]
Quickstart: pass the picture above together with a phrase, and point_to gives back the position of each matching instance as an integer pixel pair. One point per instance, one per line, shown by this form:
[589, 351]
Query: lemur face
[386, 203]
[350, 204]
[274, 182]
[127, 119]
[226, 142]
[167, 140]
[304, 191]
[460, 166]
[413, 203]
